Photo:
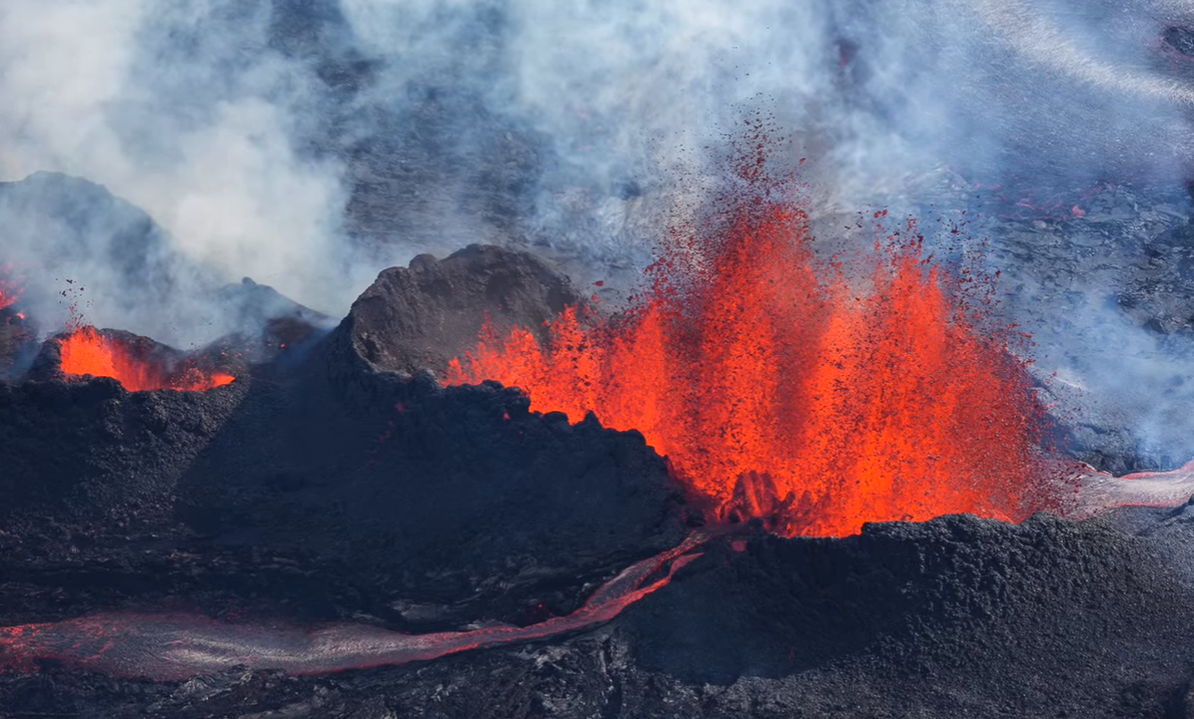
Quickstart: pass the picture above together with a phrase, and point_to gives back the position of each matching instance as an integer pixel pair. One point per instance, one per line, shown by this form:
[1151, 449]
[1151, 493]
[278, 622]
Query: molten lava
[10, 289]
[782, 389]
[176, 647]
[87, 352]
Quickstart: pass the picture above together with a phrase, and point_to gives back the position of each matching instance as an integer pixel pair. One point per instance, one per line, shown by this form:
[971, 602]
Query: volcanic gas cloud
[813, 395]
[86, 351]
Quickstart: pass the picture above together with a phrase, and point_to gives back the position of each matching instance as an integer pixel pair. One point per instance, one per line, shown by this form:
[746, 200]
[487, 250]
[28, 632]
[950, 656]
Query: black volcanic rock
[91, 456]
[987, 604]
[95, 456]
[433, 311]
[953, 617]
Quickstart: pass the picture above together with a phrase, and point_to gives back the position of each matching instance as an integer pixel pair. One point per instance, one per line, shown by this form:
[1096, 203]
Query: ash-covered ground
[338, 480]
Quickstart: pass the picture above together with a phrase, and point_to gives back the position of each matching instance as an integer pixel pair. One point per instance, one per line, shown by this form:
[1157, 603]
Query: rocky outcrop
[424, 315]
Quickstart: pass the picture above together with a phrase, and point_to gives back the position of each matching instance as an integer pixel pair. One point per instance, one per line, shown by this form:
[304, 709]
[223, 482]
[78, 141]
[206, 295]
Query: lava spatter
[781, 388]
[86, 351]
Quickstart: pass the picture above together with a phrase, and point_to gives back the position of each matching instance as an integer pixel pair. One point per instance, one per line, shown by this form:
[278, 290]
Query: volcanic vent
[781, 387]
[137, 363]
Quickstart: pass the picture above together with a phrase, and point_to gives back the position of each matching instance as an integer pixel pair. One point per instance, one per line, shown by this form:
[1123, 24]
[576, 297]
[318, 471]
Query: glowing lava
[10, 290]
[780, 388]
[176, 647]
[86, 351]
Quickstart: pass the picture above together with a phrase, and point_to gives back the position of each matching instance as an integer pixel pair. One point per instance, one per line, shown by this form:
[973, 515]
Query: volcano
[195, 549]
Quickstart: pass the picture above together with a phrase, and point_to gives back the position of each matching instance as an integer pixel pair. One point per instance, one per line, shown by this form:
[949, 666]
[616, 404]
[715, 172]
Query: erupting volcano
[781, 388]
[86, 351]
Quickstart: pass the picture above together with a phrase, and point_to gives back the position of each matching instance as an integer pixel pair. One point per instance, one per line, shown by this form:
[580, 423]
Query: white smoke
[84, 98]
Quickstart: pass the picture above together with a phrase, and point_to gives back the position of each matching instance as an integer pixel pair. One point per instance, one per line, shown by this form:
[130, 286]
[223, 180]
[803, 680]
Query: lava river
[172, 647]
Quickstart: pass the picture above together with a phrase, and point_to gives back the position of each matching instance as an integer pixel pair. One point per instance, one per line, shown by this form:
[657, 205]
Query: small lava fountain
[86, 351]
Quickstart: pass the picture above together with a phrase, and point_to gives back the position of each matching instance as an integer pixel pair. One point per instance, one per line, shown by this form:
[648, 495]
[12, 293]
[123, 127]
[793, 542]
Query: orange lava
[778, 388]
[10, 290]
[87, 352]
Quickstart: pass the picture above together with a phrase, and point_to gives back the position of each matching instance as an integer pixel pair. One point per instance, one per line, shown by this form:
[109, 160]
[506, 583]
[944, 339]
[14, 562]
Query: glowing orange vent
[776, 386]
[85, 351]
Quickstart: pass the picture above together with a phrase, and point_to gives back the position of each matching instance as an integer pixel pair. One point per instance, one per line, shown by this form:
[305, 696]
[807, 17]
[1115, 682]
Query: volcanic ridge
[770, 484]
[217, 547]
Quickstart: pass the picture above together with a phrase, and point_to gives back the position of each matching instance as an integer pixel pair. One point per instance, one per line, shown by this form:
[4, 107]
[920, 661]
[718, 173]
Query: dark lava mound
[426, 315]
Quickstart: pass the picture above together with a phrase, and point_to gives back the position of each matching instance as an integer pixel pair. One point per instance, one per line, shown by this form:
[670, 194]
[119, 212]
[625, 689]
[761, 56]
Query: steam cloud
[310, 143]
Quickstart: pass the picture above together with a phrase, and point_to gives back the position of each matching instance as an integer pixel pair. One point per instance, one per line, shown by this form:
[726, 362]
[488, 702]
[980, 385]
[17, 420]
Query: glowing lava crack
[175, 647]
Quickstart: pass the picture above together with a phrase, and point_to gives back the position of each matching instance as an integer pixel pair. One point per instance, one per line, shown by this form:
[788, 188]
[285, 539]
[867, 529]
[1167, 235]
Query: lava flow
[176, 647]
[782, 389]
[85, 351]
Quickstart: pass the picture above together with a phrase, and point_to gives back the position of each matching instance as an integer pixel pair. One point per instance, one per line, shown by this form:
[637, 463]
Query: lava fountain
[807, 393]
[87, 351]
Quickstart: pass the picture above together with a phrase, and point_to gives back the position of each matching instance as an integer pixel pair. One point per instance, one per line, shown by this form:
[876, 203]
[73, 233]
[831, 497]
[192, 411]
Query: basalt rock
[91, 455]
[86, 453]
[427, 314]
